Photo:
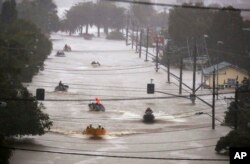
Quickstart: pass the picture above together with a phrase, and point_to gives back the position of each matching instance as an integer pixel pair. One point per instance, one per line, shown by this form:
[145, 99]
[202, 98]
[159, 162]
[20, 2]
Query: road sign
[159, 39]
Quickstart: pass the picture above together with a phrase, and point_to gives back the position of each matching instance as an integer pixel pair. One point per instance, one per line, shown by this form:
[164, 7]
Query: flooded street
[120, 83]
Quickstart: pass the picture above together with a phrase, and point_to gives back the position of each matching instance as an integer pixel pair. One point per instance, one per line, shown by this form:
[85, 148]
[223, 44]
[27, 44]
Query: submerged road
[177, 136]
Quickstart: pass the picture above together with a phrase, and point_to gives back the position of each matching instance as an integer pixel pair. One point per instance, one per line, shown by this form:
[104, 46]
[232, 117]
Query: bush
[115, 35]
[234, 138]
[5, 153]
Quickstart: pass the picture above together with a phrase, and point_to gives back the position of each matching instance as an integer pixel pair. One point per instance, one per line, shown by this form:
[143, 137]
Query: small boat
[96, 107]
[95, 64]
[67, 49]
[148, 117]
[60, 54]
[95, 132]
[62, 88]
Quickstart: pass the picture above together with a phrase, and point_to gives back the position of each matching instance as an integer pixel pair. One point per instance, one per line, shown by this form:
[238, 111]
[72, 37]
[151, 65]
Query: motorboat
[95, 63]
[67, 48]
[95, 132]
[148, 116]
[96, 107]
[62, 88]
[60, 54]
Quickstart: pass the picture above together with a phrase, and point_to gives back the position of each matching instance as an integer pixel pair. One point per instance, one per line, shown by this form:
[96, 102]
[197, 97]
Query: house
[226, 75]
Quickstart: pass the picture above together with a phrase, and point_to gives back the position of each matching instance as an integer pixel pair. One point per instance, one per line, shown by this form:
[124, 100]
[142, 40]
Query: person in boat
[66, 47]
[90, 126]
[149, 110]
[97, 101]
[99, 126]
[61, 84]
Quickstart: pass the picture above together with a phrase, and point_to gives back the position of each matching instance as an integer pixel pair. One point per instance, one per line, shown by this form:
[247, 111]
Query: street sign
[159, 39]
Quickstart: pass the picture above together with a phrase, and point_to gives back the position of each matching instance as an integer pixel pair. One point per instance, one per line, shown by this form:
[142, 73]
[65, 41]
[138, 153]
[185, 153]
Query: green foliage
[234, 138]
[42, 13]
[241, 136]
[23, 50]
[143, 14]
[102, 14]
[23, 117]
[243, 107]
[24, 47]
[221, 26]
[5, 154]
[115, 35]
[9, 13]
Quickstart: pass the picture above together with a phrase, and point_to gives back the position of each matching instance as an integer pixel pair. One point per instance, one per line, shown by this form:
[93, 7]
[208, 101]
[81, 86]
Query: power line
[95, 74]
[131, 143]
[180, 6]
[107, 99]
[95, 70]
[115, 156]
[128, 152]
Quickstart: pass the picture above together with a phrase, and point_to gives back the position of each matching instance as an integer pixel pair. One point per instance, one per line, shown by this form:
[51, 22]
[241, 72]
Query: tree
[186, 23]
[23, 50]
[142, 14]
[1, 3]
[42, 13]
[9, 13]
[241, 117]
[102, 14]
[5, 154]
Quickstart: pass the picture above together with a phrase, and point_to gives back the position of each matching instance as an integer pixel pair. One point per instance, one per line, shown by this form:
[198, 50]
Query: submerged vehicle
[148, 116]
[60, 54]
[62, 88]
[96, 107]
[95, 132]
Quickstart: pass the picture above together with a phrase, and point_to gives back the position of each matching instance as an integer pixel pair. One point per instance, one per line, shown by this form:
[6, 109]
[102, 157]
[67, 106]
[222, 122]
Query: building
[226, 75]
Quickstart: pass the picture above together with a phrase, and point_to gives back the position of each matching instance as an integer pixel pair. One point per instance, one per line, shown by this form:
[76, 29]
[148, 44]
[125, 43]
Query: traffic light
[151, 88]
[40, 94]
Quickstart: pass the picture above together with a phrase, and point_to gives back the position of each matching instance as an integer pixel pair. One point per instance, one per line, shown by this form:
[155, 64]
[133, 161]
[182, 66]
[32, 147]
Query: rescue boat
[95, 132]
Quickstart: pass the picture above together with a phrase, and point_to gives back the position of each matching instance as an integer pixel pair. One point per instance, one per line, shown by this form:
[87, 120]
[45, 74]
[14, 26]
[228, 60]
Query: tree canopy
[222, 30]
[102, 14]
[22, 52]
[237, 115]
[43, 13]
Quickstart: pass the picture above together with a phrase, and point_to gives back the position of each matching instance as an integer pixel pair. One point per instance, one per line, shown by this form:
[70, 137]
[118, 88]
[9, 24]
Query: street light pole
[181, 67]
[213, 102]
[147, 44]
[194, 72]
[140, 43]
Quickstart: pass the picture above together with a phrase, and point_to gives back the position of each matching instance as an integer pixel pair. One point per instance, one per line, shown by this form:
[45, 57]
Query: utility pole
[236, 97]
[140, 43]
[181, 67]
[147, 45]
[127, 22]
[213, 102]
[194, 72]
[217, 77]
[157, 56]
[136, 48]
[127, 32]
[168, 63]
[132, 35]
